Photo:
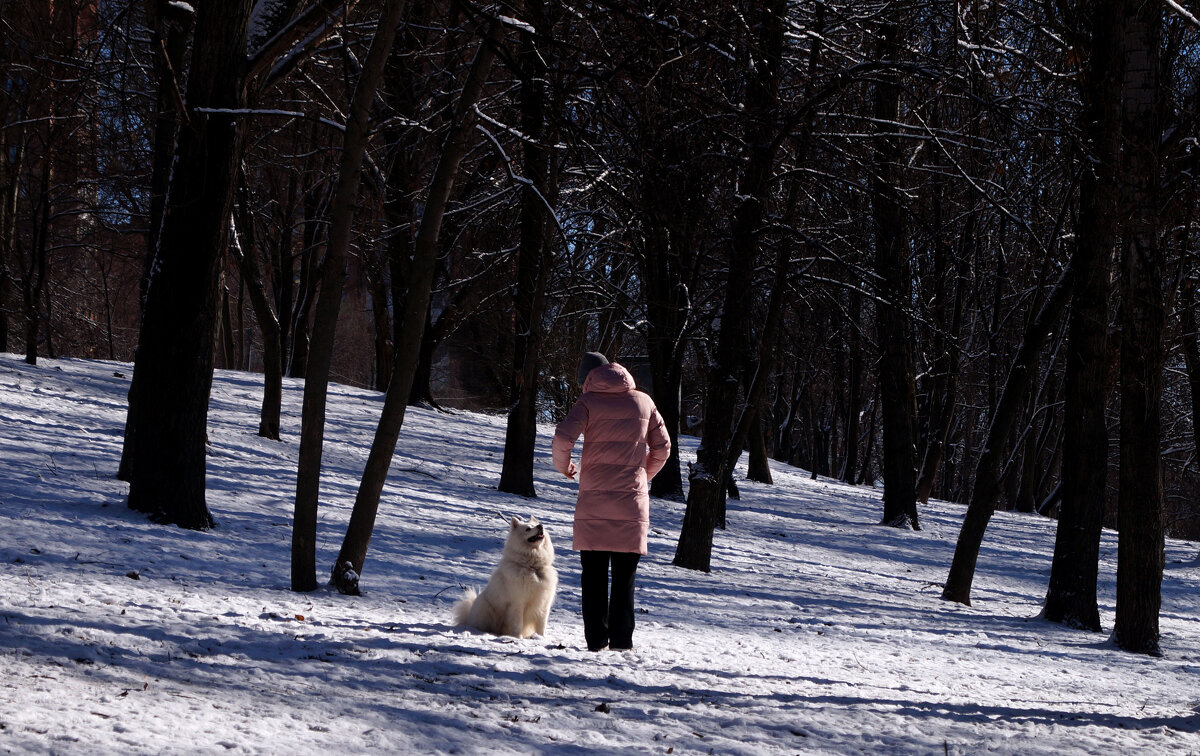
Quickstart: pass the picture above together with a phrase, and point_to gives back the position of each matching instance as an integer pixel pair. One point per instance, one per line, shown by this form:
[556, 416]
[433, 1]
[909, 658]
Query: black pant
[608, 622]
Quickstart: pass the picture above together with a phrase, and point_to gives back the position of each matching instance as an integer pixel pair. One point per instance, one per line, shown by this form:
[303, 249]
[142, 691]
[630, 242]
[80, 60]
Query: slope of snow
[817, 631]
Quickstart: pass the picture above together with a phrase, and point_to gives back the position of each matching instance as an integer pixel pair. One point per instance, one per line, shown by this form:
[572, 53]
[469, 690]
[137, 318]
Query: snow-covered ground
[817, 631]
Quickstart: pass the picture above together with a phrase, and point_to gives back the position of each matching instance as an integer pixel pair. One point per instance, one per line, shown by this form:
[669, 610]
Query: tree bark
[312, 431]
[665, 272]
[854, 393]
[892, 266]
[758, 469]
[34, 278]
[764, 365]
[1191, 358]
[283, 264]
[244, 248]
[865, 473]
[382, 324]
[1071, 594]
[173, 24]
[1140, 495]
[226, 343]
[353, 553]
[315, 241]
[944, 392]
[516, 476]
[11, 158]
[422, 388]
[173, 368]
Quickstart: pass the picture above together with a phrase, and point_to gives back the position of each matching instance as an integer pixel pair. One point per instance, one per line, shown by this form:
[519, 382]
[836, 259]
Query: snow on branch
[512, 174]
[503, 127]
[515, 23]
[293, 40]
[265, 17]
[1191, 19]
[272, 112]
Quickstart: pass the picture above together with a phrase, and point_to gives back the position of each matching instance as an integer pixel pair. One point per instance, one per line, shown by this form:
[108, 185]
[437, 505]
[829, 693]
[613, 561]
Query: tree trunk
[1140, 496]
[988, 472]
[1191, 358]
[225, 329]
[173, 369]
[669, 264]
[11, 157]
[516, 476]
[315, 240]
[764, 366]
[172, 24]
[1023, 499]
[785, 448]
[865, 473]
[944, 391]
[854, 398]
[312, 432]
[422, 388]
[34, 280]
[666, 310]
[705, 501]
[349, 564]
[821, 433]
[172, 30]
[382, 325]
[245, 253]
[1071, 595]
[895, 334]
[758, 469]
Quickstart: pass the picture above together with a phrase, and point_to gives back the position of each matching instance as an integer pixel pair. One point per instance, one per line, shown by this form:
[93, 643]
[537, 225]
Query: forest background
[946, 247]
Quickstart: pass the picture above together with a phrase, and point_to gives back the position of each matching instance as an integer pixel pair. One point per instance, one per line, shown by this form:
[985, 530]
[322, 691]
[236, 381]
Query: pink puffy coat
[625, 443]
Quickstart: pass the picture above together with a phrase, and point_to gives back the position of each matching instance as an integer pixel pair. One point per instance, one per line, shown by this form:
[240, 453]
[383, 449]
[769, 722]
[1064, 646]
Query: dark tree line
[946, 248]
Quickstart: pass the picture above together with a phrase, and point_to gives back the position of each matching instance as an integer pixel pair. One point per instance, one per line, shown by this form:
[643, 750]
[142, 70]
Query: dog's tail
[462, 607]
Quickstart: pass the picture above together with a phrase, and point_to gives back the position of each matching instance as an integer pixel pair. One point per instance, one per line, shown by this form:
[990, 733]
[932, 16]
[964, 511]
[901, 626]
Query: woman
[624, 444]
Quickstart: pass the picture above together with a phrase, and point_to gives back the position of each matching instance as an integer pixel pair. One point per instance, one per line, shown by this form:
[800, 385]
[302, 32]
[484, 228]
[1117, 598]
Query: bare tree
[1140, 496]
[312, 432]
[245, 251]
[989, 468]
[353, 553]
[1071, 596]
[707, 478]
[892, 314]
[173, 369]
[168, 408]
[533, 60]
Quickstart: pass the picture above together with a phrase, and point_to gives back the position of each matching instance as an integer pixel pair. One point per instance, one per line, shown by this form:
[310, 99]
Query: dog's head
[528, 538]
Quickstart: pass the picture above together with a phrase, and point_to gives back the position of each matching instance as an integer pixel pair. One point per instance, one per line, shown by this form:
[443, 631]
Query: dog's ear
[515, 523]
[533, 520]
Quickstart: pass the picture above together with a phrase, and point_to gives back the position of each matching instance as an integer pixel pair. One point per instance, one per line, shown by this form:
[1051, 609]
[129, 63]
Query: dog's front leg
[538, 620]
[513, 620]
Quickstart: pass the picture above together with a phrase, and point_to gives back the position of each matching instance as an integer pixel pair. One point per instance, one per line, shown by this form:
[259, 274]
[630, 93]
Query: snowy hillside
[817, 631]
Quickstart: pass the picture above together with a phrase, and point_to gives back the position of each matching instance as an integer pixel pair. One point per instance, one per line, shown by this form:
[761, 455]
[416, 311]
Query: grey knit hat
[589, 362]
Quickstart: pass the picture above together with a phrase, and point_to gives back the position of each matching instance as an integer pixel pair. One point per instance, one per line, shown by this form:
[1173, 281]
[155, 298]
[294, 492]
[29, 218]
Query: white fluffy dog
[518, 596]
